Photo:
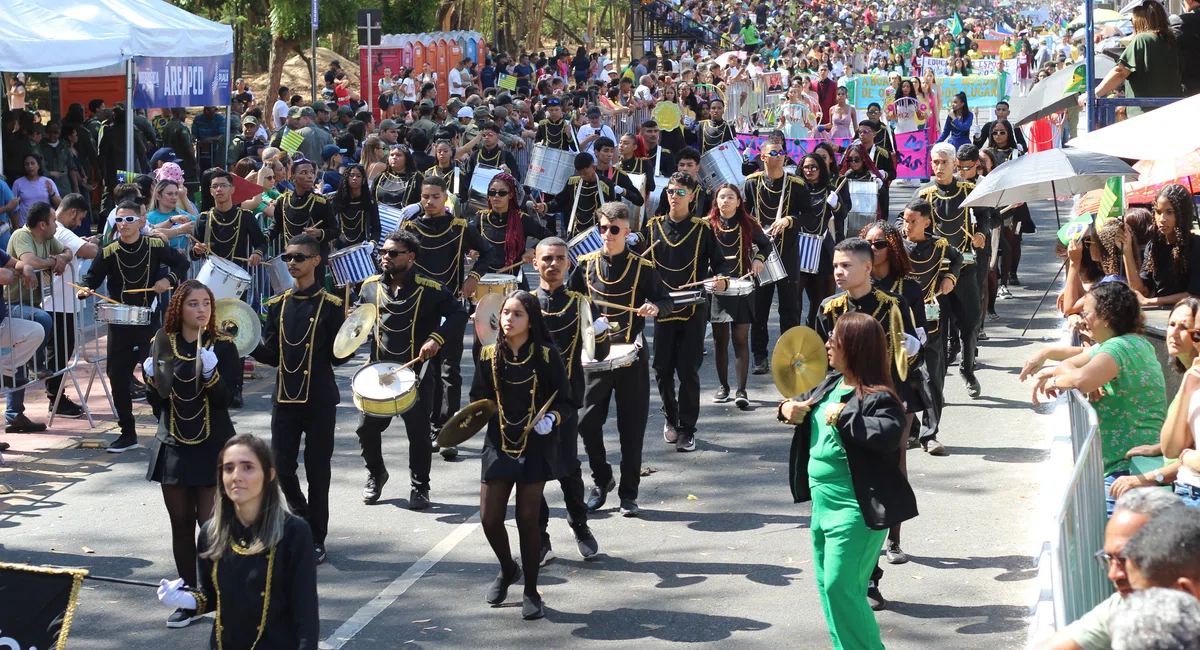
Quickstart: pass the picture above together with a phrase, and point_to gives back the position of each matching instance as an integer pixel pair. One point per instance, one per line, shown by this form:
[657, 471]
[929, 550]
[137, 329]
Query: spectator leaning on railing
[1120, 374]
[1150, 63]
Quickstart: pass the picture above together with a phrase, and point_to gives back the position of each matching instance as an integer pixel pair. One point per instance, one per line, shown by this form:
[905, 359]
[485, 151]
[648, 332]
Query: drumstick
[700, 282]
[1008, 208]
[139, 290]
[509, 267]
[388, 377]
[115, 302]
[613, 305]
[841, 184]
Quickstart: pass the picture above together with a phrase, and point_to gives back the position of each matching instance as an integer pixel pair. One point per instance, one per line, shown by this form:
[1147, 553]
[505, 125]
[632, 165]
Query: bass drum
[477, 193]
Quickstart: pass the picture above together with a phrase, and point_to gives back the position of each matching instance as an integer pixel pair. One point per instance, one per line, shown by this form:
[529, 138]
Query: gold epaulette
[276, 298]
[886, 298]
[427, 282]
[459, 222]
[795, 178]
[966, 185]
[645, 261]
[112, 248]
[885, 153]
[587, 257]
[544, 123]
[545, 354]
[154, 242]
[319, 198]
[755, 175]
[940, 243]
[488, 352]
[222, 336]
[836, 302]
[702, 222]
[331, 298]
[576, 295]
[373, 278]
[926, 192]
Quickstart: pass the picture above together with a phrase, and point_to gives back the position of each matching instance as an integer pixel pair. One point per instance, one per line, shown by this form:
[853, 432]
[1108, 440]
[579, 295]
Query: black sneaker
[598, 495]
[532, 607]
[1014, 281]
[669, 433]
[4, 446]
[507, 578]
[585, 541]
[874, 598]
[319, 549]
[952, 355]
[972, 383]
[741, 400]
[22, 424]
[722, 395]
[67, 408]
[686, 442]
[547, 553]
[629, 508]
[238, 400]
[418, 499]
[914, 443]
[449, 453]
[124, 442]
[181, 618]
[374, 487]
[761, 366]
[137, 390]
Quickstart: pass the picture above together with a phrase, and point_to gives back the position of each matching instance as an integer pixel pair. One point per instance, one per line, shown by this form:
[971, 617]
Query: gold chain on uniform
[266, 593]
[311, 335]
[177, 398]
[523, 440]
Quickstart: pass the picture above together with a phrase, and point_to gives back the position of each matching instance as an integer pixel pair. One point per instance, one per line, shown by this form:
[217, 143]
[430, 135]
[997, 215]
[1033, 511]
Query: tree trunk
[280, 48]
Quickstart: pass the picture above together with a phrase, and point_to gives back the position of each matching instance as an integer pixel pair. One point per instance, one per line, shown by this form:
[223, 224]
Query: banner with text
[164, 82]
[983, 91]
[945, 67]
[911, 154]
[796, 148]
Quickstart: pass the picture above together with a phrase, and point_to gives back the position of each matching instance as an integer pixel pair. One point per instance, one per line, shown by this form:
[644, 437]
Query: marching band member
[257, 571]
[715, 130]
[554, 131]
[505, 226]
[664, 164]
[445, 239]
[874, 164]
[615, 176]
[399, 185]
[447, 168]
[561, 310]
[738, 237]
[489, 153]
[945, 192]
[824, 204]
[582, 198]
[684, 251]
[778, 201]
[191, 399]
[617, 276]
[303, 211]
[689, 163]
[133, 261]
[416, 317]
[630, 163]
[355, 209]
[521, 372]
[936, 265]
[297, 339]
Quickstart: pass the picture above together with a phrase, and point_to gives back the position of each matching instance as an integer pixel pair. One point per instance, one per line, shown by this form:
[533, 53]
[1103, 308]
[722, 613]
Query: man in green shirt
[750, 37]
[177, 137]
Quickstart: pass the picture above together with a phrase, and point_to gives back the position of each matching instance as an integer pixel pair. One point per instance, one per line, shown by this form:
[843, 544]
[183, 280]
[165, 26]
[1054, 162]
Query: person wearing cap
[425, 122]
[316, 137]
[389, 132]
[345, 115]
[330, 179]
[467, 121]
[582, 197]
[322, 109]
[593, 130]
[178, 138]
[247, 143]
[489, 153]
[554, 131]
[293, 122]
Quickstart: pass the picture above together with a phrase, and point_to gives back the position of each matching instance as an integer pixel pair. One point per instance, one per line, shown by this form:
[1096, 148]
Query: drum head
[587, 329]
[487, 318]
[228, 267]
[383, 381]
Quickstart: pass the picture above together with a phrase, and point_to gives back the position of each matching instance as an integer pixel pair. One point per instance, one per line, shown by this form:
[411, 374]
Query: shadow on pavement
[1016, 567]
[997, 618]
[629, 624]
[672, 575]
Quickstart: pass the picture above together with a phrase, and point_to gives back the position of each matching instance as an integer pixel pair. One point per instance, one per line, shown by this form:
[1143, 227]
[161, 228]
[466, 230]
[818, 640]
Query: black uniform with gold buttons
[933, 260]
[232, 233]
[912, 390]
[710, 134]
[956, 224]
[556, 135]
[890, 310]
[592, 195]
[409, 314]
[768, 199]
[629, 280]
[644, 166]
[298, 340]
[731, 242]
[683, 252]
[494, 228]
[358, 218]
[397, 190]
[294, 212]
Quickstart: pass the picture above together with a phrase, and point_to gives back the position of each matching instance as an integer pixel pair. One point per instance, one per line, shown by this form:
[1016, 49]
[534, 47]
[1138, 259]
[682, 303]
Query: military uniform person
[303, 208]
[933, 260]
[582, 198]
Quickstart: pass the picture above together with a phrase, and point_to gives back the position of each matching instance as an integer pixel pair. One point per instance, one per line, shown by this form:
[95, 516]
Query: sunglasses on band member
[393, 253]
[497, 192]
[999, 132]
[879, 244]
[612, 229]
[775, 153]
[296, 257]
[678, 191]
[854, 160]
[125, 219]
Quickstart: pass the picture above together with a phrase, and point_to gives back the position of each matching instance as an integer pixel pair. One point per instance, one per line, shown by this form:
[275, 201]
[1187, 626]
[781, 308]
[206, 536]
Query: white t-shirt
[279, 112]
[587, 130]
[644, 93]
[456, 84]
[1187, 475]
[62, 298]
[408, 90]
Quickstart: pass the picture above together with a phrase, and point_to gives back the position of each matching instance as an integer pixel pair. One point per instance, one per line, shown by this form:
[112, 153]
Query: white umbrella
[1166, 132]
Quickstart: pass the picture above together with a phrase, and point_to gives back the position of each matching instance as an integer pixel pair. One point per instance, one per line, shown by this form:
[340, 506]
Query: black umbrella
[1050, 95]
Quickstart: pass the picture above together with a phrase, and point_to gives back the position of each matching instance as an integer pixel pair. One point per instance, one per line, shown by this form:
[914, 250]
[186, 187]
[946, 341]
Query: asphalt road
[720, 555]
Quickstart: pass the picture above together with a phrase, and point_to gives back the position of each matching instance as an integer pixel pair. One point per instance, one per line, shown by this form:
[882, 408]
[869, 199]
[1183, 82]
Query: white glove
[632, 239]
[922, 335]
[172, 594]
[832, 200]
[912, 344]
[600, 325]
[878, 183]
[148, 367]
[208, 361]
[544, 425]
[620, 191]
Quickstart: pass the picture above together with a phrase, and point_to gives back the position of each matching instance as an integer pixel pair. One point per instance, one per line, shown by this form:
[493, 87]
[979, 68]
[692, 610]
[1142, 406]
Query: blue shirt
[6, 195]
[487, 77]
[202, 127]
[523, 70]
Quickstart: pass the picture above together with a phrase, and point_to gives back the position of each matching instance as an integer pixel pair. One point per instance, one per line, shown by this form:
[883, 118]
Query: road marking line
[396, 589]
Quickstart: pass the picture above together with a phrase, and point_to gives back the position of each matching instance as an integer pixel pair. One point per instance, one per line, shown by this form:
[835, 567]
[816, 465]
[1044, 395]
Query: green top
[828, 470]
[750, 35]
[1153, 65]
[20, 243]
[1132, 411]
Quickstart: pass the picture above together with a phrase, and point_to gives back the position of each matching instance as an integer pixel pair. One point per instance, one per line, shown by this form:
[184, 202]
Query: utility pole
[314, 49]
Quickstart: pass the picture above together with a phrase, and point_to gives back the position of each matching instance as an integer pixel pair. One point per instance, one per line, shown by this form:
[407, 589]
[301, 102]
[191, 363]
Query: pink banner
[796, 148]
[912, 155]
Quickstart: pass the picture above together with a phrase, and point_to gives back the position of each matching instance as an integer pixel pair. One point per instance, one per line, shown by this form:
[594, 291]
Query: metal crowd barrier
[1079, 582]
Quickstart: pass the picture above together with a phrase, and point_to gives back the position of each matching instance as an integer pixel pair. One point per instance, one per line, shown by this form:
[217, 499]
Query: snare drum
[224, 278]
[352, 264]
[810, 252]
[721, 164]
[620, 355]
[686, 298]
[549, 169]
[384, 389]
[477, 193]
[106, 312]
[737, 287]
[390, 218]
[281, 280]
[639, 182]
[584, 243]
[773, 270]
[501, 283]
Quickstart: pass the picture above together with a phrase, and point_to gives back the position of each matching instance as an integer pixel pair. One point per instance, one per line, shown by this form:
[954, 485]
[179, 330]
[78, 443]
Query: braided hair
[514, 233]
[1185, 217]
[897, 254]
[173, 324]
[745, 222]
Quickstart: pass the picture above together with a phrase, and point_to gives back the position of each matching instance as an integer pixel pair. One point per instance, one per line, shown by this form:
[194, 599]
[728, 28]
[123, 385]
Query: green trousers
[844, 554]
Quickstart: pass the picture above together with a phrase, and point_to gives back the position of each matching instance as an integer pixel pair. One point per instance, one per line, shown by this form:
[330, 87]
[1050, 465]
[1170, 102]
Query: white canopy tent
[153, 27]
[43, 39]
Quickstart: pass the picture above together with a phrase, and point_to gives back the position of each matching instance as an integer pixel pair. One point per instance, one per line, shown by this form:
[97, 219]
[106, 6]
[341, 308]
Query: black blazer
[872, 429]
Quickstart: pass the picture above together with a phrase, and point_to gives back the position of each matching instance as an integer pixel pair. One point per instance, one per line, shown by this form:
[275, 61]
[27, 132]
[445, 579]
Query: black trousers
[965, 314]
[416, 425]
[448, 398]
[315, 423]
[631, 386]
[934, 352]
[64, 347]
[789, 311]
[128, 346]
[679, 350]
[572, 483]
[816, 287]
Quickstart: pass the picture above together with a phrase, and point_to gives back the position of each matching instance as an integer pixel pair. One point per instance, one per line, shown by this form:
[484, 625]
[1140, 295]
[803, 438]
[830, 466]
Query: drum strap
[575, 202]
[657, 161]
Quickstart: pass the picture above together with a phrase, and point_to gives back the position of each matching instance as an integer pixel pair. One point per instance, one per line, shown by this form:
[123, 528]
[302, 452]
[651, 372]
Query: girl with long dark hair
[355, 208]
[1170, 269]
[741, 239]
[823, 205]
[845, 459]
[505, 225]
[400, 183]
[957, 128]
[522, 372]
[258, 569]
[191, 375]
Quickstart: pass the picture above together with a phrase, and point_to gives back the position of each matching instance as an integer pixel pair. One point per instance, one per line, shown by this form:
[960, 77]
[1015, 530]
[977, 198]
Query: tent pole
[130, 79]
[1055, 193]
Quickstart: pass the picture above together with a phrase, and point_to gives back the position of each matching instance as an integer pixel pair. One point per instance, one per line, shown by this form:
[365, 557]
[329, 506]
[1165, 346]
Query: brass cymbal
[798, 363]
[487, 318]
[541, 413]
[355, 330]
[587, 330]
[237, 319]
[466, 423]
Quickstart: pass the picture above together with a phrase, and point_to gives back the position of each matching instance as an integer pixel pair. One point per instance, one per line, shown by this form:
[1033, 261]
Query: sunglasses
[965, 168]
[999, 132]
[612, 229]
[879, 244]
[775, 153]
[810, 168]
[295, 257]
[393, 253]
[678, 191]
[497, 192]
[128, 219]
[854, 160]
[1195, 334]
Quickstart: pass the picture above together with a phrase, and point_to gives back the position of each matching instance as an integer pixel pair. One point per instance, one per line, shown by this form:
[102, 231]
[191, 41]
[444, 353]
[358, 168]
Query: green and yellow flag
[1112, 201]
[1078, 80]
[508, 82]
[291, 141]
[1074, 229]
[956, 25]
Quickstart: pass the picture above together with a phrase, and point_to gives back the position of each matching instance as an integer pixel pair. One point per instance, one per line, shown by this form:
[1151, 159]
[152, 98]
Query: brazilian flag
[956, 26]
[1075, 228]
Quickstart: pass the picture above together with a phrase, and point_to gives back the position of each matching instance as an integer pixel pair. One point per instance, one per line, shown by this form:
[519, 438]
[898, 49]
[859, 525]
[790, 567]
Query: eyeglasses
[295, 257]
[393, 253]
[678, 191]
[612, 229]
[126, 219]
[497, 192]
[221, 186]
[879, 244]
[854, 160]
[1105, 559]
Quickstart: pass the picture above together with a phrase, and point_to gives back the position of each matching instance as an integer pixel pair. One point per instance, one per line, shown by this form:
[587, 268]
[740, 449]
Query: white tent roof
[38, 38]
[154, 28]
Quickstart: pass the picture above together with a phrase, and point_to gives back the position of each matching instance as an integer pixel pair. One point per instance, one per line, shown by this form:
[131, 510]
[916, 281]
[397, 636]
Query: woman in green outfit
[1120, 375]
[845, 458]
